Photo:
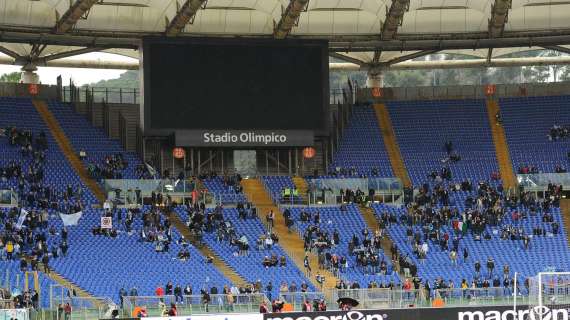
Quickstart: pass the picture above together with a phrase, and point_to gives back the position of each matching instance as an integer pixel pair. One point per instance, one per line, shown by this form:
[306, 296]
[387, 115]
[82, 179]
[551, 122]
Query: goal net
[549, 296]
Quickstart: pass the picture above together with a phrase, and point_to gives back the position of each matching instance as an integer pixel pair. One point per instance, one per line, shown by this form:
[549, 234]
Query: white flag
[71, 219]
[150, 169]
[21, 219]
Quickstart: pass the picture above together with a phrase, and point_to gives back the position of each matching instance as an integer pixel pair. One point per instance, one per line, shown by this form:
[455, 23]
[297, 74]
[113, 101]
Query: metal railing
[540, 181]
[157, 306]
[8, 198]
[297, 298]
[109, 95]
[397, 298]
[132, 95]
[175, 188]
[330, 198]
[14, 314]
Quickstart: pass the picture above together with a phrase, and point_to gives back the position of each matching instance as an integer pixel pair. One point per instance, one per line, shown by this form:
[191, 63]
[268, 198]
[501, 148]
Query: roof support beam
[377, 68]
[499, 16]
[406, 65]
[68, 20]
[558, 48]
[394, 18]
[346, 58]
[411, 56]
[9, 52]
[447, 44]
[185, 15]
[455, 64]
[70, 53]
[289, 18]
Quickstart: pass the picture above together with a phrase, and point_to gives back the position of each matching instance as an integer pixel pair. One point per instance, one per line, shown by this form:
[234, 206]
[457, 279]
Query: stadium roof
[359, 31]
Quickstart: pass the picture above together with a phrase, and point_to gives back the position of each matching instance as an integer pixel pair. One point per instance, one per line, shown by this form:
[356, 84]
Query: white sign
[106, 223]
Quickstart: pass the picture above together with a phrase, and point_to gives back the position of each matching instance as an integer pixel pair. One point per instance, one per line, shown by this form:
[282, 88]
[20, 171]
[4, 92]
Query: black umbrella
[348, 301]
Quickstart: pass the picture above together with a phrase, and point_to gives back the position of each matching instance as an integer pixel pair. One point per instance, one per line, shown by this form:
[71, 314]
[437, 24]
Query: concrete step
[290, 241]
[67, 149]
[501, 146]
[206, 251]
[391, 144]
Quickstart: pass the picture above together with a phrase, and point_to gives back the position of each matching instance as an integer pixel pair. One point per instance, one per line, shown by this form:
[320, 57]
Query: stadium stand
[229, 237]
[361, 150]
[501, 247]
[226, 191]
[12, 277]
[104, 155]
[141, 267]
[423, 130]
[45, 184]
[528, 122]
[277, 186]
[423, 127]
[357, 249]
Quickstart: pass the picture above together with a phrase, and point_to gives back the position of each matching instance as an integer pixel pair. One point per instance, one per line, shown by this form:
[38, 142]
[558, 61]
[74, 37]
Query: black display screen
[242, 84]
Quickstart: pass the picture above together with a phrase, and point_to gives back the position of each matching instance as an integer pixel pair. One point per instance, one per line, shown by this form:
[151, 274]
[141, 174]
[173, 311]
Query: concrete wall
[465, 92]
[130, 112]
[23, 90]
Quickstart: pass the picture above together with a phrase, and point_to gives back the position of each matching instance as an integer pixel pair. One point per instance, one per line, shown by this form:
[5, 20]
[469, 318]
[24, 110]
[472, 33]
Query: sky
[80, 76]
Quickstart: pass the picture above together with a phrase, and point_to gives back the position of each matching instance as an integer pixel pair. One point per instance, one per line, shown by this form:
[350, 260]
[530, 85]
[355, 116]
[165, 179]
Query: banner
[451, 313]
[70, 219]
[242, 138]
[106, 223]
[21, 219]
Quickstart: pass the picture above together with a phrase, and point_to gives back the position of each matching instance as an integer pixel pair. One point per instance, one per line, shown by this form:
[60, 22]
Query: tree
[10, 77]
[128, 79]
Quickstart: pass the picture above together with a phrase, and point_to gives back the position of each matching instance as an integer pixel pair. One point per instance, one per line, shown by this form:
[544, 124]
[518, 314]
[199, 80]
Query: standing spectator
[263, 308]
[230, 301]
[67, 311]
[45, 262]
[122, 294]
[307, 265]
[453, 257]
[172, 312]
[178, 294]
[526, 241]
[490, 266]
[169, 289]
[270, 218]
[160, 293]
[205, 299]
[306, 306]
[134, 293]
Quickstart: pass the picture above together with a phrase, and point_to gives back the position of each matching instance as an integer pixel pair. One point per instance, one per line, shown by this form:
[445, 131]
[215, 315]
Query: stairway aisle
[302, 187]
[565, 212]
[290, 241]
[67, 149]
[392, 147]
[372, 223]
[218, 262]
[72, 287]
[501, 146]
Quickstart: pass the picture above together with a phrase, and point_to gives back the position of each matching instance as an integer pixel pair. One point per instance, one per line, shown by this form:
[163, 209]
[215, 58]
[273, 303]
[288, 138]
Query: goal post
[548, 291]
